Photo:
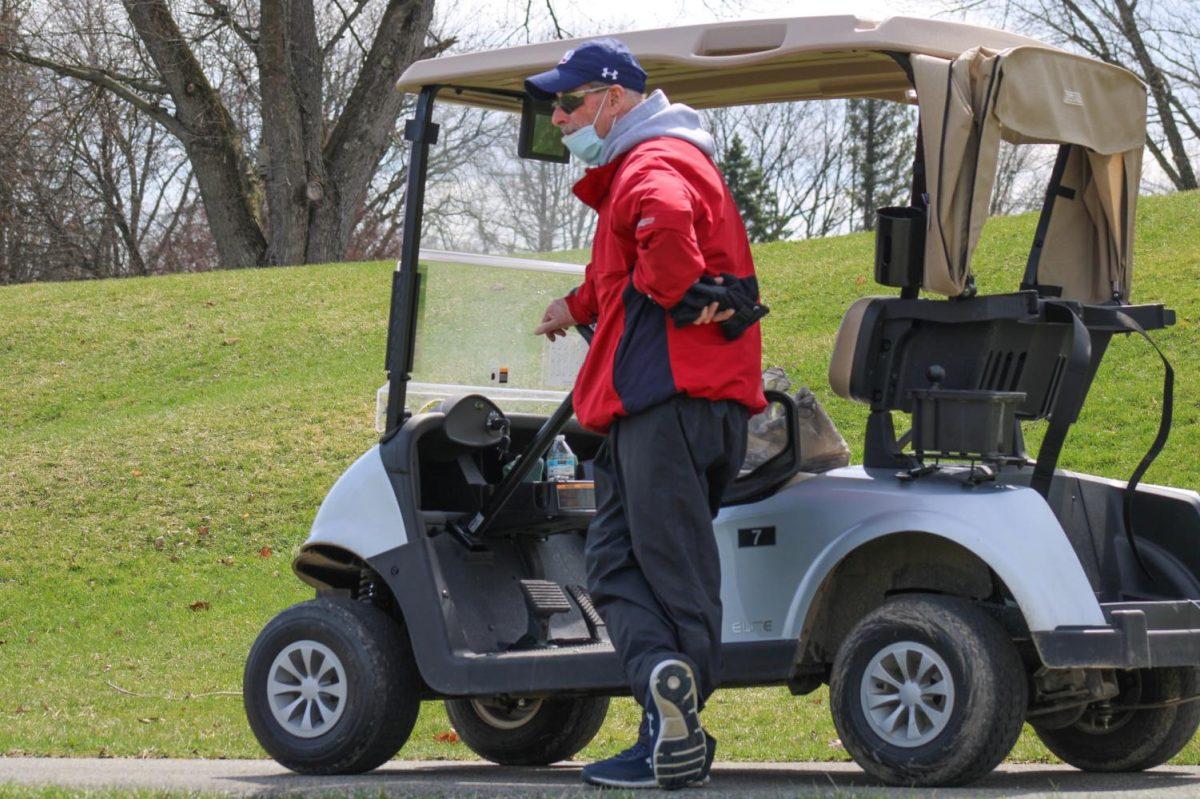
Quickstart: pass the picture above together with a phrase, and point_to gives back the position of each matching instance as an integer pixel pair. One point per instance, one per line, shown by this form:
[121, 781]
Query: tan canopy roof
[1033, 95]
[736, 63]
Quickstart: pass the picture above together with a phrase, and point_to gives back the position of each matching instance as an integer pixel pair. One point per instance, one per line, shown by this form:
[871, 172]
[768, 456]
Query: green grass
[165, 442]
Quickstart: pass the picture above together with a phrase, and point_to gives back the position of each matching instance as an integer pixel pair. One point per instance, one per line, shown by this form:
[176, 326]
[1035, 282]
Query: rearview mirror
[539, 139]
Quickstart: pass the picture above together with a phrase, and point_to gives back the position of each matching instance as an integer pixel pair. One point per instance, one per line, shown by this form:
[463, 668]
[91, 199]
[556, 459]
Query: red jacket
[666, 217]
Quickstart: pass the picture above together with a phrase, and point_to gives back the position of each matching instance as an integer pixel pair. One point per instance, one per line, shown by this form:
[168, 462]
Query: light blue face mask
[585, 144]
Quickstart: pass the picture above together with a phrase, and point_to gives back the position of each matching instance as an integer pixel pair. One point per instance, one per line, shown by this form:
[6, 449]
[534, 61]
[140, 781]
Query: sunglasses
[570, 103]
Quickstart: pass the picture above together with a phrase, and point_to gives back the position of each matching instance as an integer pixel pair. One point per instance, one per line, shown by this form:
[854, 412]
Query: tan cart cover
[1028, 95]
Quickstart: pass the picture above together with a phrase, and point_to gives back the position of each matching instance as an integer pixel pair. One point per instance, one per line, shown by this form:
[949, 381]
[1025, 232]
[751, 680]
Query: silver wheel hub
[306, 689]
[506, 716]
[907, 694]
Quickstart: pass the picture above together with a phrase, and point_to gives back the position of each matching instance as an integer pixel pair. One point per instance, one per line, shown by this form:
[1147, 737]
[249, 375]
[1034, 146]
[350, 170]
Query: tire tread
[387, 657]
[984, 648]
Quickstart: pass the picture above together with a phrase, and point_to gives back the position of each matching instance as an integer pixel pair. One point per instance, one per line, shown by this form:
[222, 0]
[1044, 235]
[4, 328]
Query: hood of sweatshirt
[653, 117]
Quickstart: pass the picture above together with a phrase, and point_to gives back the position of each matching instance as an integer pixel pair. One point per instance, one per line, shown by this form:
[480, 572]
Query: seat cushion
[841, 362]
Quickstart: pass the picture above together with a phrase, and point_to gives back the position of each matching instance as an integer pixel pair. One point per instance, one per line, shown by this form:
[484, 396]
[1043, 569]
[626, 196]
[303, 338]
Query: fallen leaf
[836, 743]
[230, 342]
[860, 280]
[136, 472]
[209, 303]
[245, 516]
[199, 604]
[227, 560]
[149, 719]
[202, 530]
[448, 737]
[160, 542]
[265, 552]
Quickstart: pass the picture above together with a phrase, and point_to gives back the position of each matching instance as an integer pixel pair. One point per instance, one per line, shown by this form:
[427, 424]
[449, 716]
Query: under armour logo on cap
[610, 74]
[567, 56]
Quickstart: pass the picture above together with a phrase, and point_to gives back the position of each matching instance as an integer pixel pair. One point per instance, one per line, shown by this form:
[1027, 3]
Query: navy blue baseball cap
[600, 60]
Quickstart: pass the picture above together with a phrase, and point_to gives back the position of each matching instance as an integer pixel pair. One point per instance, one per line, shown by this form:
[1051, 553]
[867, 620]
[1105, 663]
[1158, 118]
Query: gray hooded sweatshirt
[653, 117]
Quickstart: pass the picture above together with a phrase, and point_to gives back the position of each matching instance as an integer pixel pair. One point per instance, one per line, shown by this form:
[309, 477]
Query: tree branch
[437, 48]
[1163, 162]
[559, 33]
[105, 80]
[347, 25]
[222, 14]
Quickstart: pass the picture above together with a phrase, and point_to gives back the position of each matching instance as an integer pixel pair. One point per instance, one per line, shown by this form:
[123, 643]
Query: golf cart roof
[734, 63]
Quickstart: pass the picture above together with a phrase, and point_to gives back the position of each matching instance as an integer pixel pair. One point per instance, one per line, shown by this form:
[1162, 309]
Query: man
[671, 376]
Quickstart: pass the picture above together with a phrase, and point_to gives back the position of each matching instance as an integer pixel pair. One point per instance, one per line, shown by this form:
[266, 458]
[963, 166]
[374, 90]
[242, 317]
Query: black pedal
[584, 600]
[543, 599]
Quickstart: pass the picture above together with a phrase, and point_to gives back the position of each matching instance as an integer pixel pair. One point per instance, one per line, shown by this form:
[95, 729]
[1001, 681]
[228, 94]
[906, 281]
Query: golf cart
[949, 589]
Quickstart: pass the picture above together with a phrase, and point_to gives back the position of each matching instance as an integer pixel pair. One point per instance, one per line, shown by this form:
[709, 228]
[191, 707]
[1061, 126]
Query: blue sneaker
[710, 750]
[679, 746]
[629, 769]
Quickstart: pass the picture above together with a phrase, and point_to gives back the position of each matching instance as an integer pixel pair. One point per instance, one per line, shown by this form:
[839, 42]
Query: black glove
[703, 293]
[740, 294]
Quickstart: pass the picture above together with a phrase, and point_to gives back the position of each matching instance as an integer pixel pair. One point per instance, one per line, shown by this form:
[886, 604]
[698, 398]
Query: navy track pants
[653, 570]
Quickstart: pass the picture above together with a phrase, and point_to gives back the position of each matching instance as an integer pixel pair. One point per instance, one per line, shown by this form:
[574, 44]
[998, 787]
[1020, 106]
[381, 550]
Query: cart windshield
[475, 323]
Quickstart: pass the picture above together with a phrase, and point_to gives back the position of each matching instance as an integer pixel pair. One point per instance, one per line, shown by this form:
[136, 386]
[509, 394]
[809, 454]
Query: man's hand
[555, 320]
[710, 314]
[692, 309]
[728, 300]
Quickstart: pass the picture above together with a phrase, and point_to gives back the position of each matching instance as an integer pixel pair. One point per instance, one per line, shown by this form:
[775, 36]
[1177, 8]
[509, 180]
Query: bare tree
[507, 204]
[798, 148]
[465, 143]
[1157, 41]
[301, 205]
[89, 187]
[1021, 175]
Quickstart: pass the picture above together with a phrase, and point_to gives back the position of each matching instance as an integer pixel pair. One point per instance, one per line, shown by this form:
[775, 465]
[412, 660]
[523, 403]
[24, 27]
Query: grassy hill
[166, 441]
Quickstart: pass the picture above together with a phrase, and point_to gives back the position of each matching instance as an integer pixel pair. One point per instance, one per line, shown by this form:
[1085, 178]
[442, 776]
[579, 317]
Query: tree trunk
[1185, 176]
[290, 73]
[360, 137]
[223, 174]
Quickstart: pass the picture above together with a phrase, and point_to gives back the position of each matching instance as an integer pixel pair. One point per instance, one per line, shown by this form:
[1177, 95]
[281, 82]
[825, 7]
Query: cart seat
[841, 363]
[885, 347]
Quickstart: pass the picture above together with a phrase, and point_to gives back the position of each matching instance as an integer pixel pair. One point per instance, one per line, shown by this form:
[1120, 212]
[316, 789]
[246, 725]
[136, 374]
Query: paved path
[450, 779]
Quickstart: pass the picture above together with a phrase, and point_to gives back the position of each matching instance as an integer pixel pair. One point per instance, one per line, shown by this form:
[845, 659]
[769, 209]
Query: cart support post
[402, 321]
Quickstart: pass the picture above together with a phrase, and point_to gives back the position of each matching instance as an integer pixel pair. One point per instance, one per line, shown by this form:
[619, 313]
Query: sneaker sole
[679, 746]
[610, 783]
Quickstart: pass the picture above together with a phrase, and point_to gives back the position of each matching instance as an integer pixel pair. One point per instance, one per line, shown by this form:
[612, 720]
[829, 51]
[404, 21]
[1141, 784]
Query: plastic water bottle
[560, 461]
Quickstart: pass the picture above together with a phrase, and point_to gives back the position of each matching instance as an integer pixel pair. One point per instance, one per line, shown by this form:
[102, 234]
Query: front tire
[331, 687]
[928, 691]
[533, 732]
[1132, 740]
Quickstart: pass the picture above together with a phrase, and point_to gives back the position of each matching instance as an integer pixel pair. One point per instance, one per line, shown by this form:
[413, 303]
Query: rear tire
[331, 687]
[1138, 739]
[928, 691]
[536, 733]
